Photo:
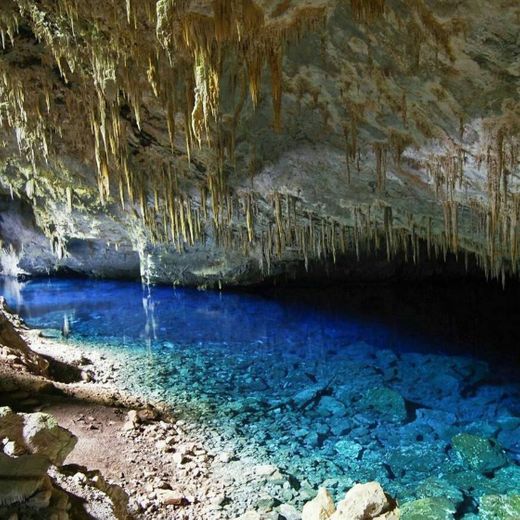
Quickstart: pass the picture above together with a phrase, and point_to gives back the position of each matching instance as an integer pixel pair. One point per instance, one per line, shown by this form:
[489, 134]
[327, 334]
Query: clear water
[379, 385]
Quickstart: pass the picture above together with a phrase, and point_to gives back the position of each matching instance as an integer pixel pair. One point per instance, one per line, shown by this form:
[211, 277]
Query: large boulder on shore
[362, 502]
[35, 434]
[31, 444]
[365, 502]
[321, 507]
[14, 350]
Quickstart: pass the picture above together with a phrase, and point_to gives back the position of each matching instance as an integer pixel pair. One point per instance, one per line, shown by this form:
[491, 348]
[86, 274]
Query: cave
[259, 260]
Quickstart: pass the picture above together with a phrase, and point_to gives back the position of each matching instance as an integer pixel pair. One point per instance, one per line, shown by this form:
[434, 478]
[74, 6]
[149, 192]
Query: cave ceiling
[266, 130]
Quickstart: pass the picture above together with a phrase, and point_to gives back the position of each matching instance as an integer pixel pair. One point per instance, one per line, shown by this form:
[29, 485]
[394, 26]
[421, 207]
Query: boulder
[321, 507]
[21, 477]
[265, 470]
[289, 512]
[384, 403]
[329, 406]
[347, 448]
[171, 498]
[43, 435]
[32, 442]
[250, 515]
[15, 347]
[36, 433]
[432, 508]
[479, 453]
[499, 507]
[363, 502]
[308, 395]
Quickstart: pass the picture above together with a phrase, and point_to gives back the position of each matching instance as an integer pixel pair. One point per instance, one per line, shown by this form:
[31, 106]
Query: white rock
[362, 502]
[250, 515]
[321, 507]
[225, 457]
[289, 512]
[265, 470]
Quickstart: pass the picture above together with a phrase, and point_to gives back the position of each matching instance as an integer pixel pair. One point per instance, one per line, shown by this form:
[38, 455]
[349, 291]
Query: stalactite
[367, 10]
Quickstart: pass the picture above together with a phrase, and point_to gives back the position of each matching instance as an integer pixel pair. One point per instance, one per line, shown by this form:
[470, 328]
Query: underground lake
[414, 386]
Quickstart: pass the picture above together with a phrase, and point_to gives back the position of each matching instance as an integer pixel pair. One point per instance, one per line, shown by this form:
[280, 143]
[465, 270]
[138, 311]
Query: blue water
[328, 390]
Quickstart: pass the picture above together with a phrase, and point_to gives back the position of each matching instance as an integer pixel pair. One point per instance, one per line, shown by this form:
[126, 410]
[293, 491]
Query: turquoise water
[416, 389]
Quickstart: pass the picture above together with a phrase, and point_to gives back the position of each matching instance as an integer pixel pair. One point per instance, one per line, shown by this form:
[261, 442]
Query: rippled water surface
[414, 387]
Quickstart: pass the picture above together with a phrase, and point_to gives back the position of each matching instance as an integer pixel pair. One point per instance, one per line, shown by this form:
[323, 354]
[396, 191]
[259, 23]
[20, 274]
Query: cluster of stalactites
[367, 10]
[495, 218]
[114, 61]
[282, 228]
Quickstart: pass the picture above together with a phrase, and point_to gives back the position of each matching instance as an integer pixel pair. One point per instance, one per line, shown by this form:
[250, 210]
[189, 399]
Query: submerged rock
[347, 448]
[329, 406]
[432, 508]
[437, 487]
[386, 404]
[500, 507]
[479, 453]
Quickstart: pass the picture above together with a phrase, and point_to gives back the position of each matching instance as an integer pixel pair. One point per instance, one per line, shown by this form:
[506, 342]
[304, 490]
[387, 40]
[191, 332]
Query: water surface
[400, 385]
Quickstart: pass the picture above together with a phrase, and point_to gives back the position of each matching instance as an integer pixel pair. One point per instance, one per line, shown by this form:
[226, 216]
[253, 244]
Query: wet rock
[500, 507]
[363, 502]
[479, 453]
[384, 403]
[321, 507]
[416, 459]
[436, 508]
[505, 478]
[347, 448]
[308, 396]
[437, 487]
[329, 406]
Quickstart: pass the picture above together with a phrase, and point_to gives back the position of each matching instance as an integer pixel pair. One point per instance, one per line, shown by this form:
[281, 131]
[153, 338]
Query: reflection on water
[12, 289]
[374, 385]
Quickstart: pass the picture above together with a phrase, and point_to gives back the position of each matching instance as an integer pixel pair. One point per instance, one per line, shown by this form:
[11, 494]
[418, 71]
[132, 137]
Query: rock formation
[362, 502]
[31, 443]
[14, 351]
[33, 483]
[230, 141]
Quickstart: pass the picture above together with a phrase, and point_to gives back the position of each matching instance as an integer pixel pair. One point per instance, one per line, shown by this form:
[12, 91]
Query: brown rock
[169, 497]
[321, 507]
